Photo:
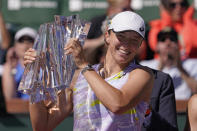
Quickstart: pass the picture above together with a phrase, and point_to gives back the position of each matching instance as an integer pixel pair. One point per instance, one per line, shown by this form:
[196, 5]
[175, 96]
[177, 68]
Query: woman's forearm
[108, 95]
[5, 34]
[45, 118]
[121, 100]
[8, 82]
[191, 82]
[39, 116]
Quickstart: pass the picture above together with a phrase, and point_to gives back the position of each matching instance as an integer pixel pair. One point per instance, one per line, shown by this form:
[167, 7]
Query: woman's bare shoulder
[143, 71]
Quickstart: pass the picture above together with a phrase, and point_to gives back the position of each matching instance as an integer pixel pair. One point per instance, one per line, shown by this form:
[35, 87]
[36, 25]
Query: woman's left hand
[74, 48]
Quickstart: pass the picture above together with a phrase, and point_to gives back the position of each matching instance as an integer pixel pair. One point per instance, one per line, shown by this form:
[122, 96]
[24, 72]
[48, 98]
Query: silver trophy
[52, 71]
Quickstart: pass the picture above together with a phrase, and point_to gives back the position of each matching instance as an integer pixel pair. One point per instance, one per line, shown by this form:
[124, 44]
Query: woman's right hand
[30, 56]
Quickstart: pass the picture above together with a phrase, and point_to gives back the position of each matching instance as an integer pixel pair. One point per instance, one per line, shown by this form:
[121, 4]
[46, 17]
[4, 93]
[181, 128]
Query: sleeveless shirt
[91, 115]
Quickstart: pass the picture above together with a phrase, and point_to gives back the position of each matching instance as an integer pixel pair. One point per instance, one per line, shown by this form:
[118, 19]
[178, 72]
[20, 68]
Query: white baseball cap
[26, 31]
[127, 20]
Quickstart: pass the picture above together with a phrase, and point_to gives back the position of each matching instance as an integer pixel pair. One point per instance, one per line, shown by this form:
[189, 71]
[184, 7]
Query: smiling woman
[125, 45]
[110, 96]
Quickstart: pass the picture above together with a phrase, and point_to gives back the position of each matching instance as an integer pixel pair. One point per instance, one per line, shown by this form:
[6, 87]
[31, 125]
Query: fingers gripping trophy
[52, 70]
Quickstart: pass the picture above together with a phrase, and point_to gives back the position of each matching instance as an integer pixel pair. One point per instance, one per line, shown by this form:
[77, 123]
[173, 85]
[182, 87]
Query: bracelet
[88, 67]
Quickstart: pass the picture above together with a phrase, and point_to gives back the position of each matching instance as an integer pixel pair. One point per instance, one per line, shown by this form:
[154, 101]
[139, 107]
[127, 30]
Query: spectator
[178, 15]
[183, 72]
[13, 68]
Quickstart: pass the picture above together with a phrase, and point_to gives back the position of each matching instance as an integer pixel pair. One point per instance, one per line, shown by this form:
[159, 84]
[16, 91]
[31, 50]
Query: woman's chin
[122, 60]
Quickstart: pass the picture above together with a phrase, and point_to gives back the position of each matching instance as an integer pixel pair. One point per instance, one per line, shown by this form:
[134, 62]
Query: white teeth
[124, 51]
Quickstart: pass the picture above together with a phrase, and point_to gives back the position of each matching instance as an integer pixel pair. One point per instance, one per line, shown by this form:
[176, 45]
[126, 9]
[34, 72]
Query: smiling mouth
[124, 52]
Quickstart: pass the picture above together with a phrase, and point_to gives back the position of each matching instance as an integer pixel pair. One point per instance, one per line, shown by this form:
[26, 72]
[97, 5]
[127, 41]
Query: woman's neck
[111, 66]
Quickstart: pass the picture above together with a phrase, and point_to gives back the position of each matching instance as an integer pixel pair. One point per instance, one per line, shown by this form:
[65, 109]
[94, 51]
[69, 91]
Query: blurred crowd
[170, 46]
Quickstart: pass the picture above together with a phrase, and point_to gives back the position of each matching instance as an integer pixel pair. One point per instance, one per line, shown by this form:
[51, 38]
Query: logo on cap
[141, 29]
[109, 22]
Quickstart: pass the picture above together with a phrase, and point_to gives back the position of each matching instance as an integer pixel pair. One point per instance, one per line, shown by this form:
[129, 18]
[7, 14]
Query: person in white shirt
[183, 71]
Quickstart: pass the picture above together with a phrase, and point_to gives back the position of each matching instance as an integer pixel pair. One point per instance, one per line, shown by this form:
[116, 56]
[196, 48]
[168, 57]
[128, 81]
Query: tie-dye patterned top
[91, 115]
